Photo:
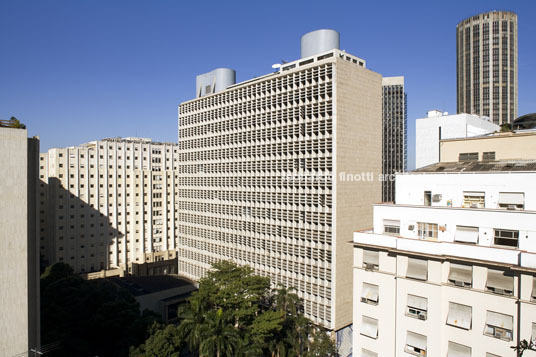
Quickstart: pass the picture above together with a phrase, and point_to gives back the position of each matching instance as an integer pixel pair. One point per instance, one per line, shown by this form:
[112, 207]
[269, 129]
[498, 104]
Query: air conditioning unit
[422, 316]
[458, 283]
[512, 207]
[370, 266]
[437, 197]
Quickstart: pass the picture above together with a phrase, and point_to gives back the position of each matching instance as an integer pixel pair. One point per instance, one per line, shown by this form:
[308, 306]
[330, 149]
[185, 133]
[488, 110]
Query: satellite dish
[276, 65]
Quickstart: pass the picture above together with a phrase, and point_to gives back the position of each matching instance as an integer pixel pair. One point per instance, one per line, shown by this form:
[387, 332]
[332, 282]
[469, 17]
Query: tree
[163, 341]
[219, 338]
[89, 318]
[235, 313]
[523, 346]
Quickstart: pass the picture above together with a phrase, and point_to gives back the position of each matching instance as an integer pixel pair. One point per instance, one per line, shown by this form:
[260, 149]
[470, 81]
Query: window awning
[367, 353]
[417, 269]
[511, 198]
[369, 327]
[371, 257]
[391, 222]
[463, 273]
[459, 315]
[499, 320]
[418, 302]
[473, 193]
[370, 292]
[498, 280]
[416, 340]
[466, 234]
[457, 350]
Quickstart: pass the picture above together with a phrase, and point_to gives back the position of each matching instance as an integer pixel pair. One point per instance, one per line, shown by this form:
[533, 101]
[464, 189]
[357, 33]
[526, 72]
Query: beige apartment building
[263, 174]
[19, 255]
[110, 206]
[519, 145]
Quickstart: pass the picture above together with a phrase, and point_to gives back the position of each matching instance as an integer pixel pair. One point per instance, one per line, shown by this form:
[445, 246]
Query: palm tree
[192, 319]
[219, 338]
[286, 299]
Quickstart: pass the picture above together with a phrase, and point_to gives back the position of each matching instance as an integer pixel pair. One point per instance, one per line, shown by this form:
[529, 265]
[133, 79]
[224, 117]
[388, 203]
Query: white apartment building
[440, 125]
[450, 269]
[256, 166]
[109, 204]
[19, 255]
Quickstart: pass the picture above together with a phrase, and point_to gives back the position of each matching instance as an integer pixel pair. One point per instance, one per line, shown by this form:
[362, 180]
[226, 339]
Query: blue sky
[76, 71]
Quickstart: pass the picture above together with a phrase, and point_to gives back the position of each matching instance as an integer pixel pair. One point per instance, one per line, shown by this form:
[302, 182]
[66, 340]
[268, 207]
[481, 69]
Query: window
[461, 275]
[533, 334]
[367, 353]
[500, 283]
[391, 227]
[459, 316]
[457, 350]
[473, 199]
[512, 200]
[468, 156]
[498, 325]
[369, 295]
[533, 296]
[427, 198]
[506, 238]
[466, 234]
[417, 307]
[488, 156]
[371, 259]
[415, 344]
[369, 327]
[427, 230]
[417, 269]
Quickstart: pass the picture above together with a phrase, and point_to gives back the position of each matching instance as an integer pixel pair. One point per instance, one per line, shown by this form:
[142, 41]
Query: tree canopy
[236, 313]
[89, 318]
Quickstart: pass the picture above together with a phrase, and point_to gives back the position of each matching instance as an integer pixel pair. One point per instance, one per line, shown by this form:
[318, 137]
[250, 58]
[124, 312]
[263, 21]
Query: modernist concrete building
[394, 133]
[256, 166]
[19, 255]
[109, 204]
[439, 125]
[450, 270]
[486, 66]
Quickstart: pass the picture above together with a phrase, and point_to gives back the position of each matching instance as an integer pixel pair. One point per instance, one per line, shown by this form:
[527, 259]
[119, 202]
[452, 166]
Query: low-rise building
[440, 125]
[450, 269]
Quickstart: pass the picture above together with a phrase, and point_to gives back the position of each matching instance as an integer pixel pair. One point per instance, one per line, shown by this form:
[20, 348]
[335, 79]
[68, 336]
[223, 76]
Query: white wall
[452, 126]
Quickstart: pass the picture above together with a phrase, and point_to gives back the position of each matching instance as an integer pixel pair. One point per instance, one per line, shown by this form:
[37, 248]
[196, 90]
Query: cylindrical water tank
[319, 41]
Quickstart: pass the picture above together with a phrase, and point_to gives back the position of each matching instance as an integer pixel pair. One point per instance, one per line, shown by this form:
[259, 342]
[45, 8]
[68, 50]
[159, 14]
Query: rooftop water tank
[214, 81]
[319, 41]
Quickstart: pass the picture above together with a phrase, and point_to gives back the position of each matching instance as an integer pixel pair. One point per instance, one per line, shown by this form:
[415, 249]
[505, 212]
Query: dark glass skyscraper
[394, 133]
[486, 47]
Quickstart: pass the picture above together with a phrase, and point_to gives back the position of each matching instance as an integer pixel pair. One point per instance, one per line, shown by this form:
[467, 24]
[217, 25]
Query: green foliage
[163, 341]
[506, 127]
[15, 123]
[235, 313]
[89, 318]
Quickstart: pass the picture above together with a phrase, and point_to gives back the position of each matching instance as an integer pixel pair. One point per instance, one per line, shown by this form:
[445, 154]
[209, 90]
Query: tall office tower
[394, 133]
[486, 65]
[271, 174]
[110, 206]
[19, 255]
[450, 269]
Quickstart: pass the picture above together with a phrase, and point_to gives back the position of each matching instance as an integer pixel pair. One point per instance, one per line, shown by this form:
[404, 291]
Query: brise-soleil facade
[255, 177]
[109, 205]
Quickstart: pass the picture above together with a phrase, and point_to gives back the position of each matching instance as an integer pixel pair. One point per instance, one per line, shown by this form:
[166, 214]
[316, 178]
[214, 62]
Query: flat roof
[143, 285]
[479, 166]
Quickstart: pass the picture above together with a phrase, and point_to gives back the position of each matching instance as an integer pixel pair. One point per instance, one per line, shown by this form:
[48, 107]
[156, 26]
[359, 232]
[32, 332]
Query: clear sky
[76, 71]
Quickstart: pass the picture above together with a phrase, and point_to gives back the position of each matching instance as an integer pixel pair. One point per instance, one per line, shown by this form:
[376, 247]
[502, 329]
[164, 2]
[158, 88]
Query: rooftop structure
[437, 126]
